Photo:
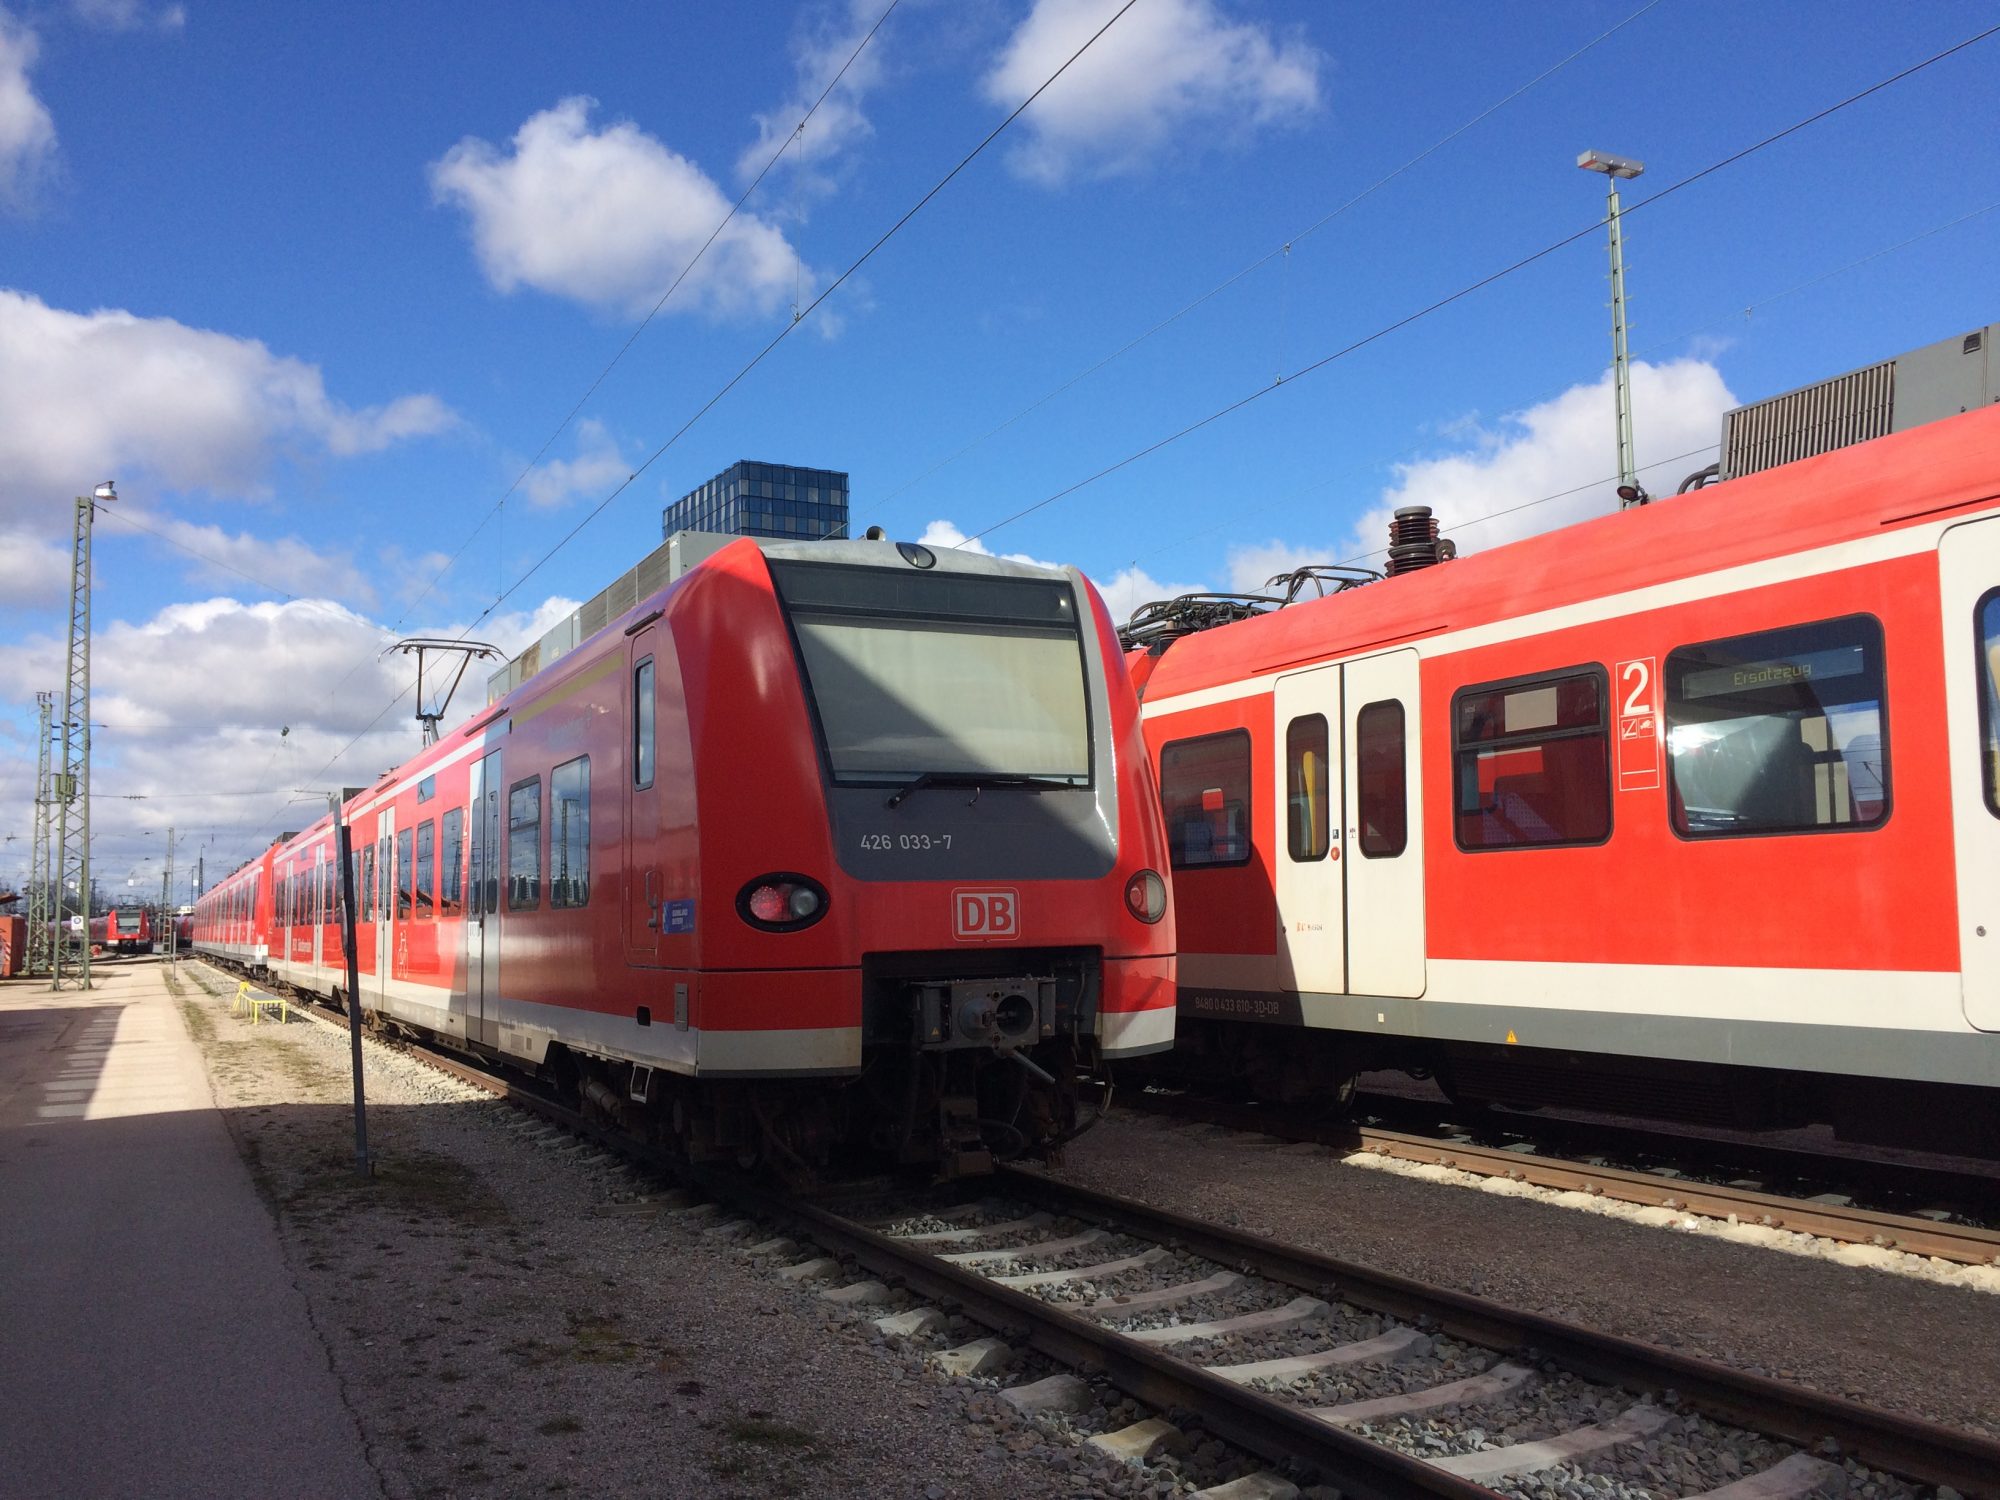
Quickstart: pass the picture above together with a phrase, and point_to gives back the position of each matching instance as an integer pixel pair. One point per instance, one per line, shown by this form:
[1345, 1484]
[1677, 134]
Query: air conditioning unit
[1939, 380]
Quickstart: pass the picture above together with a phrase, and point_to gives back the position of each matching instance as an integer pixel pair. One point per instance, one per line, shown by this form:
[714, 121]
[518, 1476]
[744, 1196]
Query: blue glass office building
[774, 500]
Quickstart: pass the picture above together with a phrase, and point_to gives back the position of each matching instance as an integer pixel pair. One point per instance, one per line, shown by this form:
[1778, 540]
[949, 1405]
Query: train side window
[451, 866]
[368, 884]
[1307, 833]
[406, 875]
[1531, 761]
[524, 845]
[1382, 799]
[426, 870]
[569, 833]
[642, 723]
[1782, 731]
[1205, 794]
[1989, 697]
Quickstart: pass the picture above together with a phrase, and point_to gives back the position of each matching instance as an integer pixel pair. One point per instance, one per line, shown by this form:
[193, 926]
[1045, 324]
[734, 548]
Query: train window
[406, 875]
[1382, 795]
[524, 845]
[569, 833]
[452, 862]
[1205, 794]
[1989, 697]
[368, 884]
[642, 723]
[1779, 732]
[1306, 828]
[427, 788]
[1532, 762]
[426, 869]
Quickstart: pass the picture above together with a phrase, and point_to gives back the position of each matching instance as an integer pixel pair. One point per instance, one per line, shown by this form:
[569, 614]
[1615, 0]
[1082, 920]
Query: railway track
[1376, 1384]
[1827, 1217]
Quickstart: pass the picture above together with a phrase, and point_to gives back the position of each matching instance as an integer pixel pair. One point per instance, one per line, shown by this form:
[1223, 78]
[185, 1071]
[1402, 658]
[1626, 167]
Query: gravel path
[508, 1317]
[1924, 1348]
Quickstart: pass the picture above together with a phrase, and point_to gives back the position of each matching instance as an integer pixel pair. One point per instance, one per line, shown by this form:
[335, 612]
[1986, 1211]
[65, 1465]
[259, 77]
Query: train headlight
[1146, 896]
[781, 902]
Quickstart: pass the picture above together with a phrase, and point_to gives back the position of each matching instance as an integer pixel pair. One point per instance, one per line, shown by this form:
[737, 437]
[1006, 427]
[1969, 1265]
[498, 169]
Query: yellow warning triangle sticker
[1512, 1040]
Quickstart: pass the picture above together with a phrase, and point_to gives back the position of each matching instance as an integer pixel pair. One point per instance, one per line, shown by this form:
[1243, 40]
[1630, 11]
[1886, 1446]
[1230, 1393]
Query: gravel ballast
[508, 1312]
[1923, 1347]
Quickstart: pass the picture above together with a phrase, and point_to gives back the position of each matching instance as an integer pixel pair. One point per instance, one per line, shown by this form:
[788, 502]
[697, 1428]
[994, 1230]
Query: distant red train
[125, 929]
[825, 847]
[1692, 810]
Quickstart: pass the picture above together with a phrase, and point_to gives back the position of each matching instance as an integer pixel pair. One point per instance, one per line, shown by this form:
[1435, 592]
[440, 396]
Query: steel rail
[1905, 1446]
[1847, 1223]
[1278, 1431]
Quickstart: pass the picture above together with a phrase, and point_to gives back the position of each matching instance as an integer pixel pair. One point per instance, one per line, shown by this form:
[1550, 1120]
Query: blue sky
[315, 286]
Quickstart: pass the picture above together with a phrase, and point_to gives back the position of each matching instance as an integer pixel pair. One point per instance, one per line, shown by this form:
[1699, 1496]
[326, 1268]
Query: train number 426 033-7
[920, 842]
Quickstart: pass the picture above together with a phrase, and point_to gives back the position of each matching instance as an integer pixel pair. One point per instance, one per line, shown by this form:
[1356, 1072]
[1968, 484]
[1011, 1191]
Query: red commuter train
[825, 846]
[1690, 810]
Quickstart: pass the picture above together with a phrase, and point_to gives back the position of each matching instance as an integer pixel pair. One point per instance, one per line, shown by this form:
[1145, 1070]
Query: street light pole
[73, 780]
[1630, 492]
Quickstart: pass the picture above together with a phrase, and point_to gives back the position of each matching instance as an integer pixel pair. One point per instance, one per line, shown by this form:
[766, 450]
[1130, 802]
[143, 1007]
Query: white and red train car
[826, 844]
[1687, 810]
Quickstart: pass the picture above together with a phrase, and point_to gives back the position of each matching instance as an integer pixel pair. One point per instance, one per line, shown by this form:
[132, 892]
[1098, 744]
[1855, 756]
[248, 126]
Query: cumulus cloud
[608, 218]
[130, 15]
[1532, 471]
[1169, 74]
[34, 571]
[286, 564]
[942, 533]
[27, 130]
[1132, 586]
[1564, 448]
[109, 392]
[597, 466]
[211, 699]
[823, 45]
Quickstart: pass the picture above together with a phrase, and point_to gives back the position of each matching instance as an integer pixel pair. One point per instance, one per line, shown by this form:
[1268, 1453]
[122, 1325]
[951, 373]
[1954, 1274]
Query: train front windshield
[950, 674]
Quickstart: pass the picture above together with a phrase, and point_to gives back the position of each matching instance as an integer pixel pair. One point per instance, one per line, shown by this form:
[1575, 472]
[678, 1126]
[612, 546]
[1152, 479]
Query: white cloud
[153, 400]
[220, 697]
[1532, 471]
[1132, 586]
[27, 130]
[130, 15]
[598, 466]
[288, 564]
[942, 533]
[1564, 448]
[1169, 74]
[823, 44]
[33, 570]
[608, 218]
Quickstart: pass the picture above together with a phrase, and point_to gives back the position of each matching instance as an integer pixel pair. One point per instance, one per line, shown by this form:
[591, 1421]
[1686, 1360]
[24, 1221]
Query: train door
[645, 899]
[1312, 957]
[385, 901]
[316, 914]
[1969, 573]
[1385, 845]
[482, 902]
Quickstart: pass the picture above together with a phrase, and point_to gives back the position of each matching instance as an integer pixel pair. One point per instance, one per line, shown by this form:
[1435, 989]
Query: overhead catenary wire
[1655, 347]
[1284, 249]
[786, 332]
[1476, 286]
[652, 313]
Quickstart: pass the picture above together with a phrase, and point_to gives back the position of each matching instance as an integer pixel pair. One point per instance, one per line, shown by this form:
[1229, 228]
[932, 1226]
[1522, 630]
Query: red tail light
[782, 903]
[1146, 896]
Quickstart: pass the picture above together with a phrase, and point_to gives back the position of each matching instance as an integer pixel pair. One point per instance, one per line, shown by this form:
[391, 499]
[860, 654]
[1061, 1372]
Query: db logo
[985, 916]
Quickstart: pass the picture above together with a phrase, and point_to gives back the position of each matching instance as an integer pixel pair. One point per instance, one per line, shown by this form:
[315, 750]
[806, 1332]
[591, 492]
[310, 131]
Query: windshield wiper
[979, 780]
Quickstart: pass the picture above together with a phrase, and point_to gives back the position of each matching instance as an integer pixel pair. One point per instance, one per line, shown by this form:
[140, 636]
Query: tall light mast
[42, 879]
[72, 782]
[1630, 492]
